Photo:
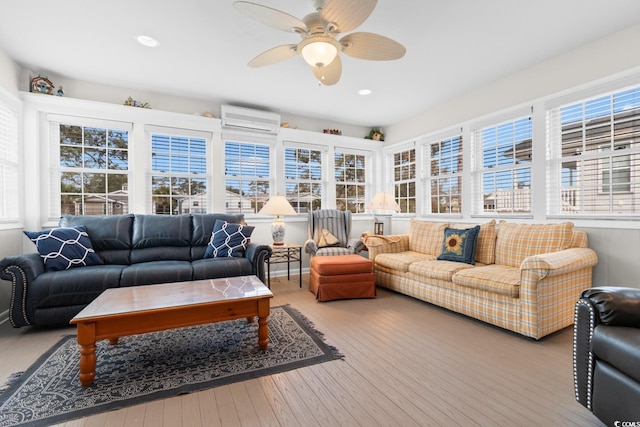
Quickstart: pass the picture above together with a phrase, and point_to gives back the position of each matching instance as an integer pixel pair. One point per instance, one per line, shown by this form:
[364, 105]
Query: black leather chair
[606, 354]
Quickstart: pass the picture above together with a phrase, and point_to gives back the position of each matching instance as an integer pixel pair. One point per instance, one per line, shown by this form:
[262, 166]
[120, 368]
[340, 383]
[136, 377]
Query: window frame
[587, 197]
[248, 205]
[55, 121]
[397, 180]
[360, 200]
[189, 177]
[11, 193]
[320, 182]
[428, 178]
[519, 204]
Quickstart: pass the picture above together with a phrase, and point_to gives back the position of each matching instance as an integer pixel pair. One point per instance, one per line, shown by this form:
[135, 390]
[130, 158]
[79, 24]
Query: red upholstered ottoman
[341, 277]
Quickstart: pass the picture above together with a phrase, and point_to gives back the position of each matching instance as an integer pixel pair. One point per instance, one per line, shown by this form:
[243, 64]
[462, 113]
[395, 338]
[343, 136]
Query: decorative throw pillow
[327, 239]
[228, 240]
[65, 247]
[460, 245]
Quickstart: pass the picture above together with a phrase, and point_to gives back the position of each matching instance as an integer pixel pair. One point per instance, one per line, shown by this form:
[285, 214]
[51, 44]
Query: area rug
[159, 365]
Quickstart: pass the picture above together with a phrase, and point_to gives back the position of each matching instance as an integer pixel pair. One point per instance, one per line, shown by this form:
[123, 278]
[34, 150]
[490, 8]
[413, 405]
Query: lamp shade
[384, 201]
[278, 205]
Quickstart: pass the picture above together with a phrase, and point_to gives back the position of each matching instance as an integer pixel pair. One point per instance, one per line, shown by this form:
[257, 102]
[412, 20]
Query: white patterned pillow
[64, 248]
[228, 240]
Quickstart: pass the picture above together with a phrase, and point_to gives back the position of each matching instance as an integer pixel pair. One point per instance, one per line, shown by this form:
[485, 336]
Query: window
[504, 170]
[178, 174]
[247, 176]
[593, 151]
[404, 180]
[9, 191]
[350, 181]
[303, 175]
[445, 175]
[93, 169]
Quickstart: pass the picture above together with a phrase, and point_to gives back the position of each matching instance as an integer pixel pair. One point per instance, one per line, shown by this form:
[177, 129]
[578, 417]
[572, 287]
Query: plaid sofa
[526, 277]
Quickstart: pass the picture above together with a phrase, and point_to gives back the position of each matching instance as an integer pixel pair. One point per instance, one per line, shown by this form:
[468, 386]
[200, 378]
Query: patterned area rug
[159, 365]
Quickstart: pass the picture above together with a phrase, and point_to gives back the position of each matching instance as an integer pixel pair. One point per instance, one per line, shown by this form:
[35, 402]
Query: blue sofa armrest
[258, 255]
[21, 271]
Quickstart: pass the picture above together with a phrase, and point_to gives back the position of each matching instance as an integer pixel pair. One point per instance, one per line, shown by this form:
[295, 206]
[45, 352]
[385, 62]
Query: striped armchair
[329, 233]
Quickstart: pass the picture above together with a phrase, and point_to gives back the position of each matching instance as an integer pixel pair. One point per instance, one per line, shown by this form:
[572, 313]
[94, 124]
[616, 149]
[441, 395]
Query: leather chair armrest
[615, 306]
[258, 254]
[21, 271]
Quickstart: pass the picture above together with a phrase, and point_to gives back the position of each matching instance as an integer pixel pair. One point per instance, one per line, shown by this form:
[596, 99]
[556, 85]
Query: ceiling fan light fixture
[319, 51]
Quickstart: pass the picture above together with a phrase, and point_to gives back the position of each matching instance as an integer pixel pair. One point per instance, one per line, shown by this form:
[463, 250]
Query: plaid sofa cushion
[402, 260]
[426, 237]
[497, 279]
[486, 244]
[515, 242]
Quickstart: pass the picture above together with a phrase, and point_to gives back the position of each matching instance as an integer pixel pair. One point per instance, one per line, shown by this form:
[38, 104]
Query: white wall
[611, 55]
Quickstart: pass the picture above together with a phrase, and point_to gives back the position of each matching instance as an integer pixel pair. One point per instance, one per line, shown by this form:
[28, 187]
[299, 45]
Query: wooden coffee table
[136, 310]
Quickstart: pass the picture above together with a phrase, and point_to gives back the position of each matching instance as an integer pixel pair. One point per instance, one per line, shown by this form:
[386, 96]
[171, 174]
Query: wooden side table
[287, 253]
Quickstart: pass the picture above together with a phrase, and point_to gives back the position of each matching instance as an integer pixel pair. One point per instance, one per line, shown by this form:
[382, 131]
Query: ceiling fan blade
[329, 74]
[269, 16]
[372, 46]
[273, 55]
[347, 15]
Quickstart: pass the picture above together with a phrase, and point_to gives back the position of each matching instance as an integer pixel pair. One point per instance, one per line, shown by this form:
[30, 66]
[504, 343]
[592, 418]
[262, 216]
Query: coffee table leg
[263, 323]
[87, 342]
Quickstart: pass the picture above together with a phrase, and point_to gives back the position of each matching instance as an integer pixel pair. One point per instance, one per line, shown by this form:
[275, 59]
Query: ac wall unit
[250, 120]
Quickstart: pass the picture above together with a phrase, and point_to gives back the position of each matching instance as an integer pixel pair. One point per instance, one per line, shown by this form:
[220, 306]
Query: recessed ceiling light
[147, 41]
[364, 92]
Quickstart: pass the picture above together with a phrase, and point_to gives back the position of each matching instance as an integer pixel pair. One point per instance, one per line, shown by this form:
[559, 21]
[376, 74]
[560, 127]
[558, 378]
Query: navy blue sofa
[136, 250]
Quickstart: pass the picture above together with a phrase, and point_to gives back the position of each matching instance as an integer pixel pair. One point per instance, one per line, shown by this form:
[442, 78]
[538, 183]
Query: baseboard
[4, 317]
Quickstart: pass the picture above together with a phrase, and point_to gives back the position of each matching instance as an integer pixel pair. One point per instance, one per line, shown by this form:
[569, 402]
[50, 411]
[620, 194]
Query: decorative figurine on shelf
[42, 84]
[375, 134]
[133, 103]
[60, 91]
[332, 131]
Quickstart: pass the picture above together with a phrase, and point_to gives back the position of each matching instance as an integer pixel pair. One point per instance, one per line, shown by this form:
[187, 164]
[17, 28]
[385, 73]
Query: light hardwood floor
[407, 363]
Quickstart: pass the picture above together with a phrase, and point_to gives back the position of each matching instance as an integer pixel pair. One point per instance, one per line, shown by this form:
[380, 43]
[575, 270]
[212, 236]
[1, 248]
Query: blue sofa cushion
[214, 268]
[64, 248]
[228, 240]
[151, 273]
[110, 234]
[161, 237]
[460, 244]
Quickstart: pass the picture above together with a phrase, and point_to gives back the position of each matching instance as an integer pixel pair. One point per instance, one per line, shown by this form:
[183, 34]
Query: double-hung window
[593, 155]
[303, 176]
[350, 180]
[178, 171]
[9, 189]
[90, 166]
[445, 175]
[247, 168]
[502, 172]
[404, 179]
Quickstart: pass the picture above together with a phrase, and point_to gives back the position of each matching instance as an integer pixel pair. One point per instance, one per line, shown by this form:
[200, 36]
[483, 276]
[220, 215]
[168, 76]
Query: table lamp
[278, 205]
[384, 202]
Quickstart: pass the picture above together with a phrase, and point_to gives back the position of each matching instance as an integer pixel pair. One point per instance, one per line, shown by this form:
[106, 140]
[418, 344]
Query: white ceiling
[452, 47]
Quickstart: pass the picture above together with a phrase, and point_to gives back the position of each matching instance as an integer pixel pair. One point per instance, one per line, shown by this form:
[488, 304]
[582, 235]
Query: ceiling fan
[320, 46]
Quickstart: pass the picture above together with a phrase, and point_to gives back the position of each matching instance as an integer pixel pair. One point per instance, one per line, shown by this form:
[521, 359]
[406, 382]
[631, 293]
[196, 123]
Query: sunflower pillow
[460, 244]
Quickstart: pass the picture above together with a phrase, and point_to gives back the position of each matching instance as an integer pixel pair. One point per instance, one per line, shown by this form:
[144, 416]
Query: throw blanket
[373, 240]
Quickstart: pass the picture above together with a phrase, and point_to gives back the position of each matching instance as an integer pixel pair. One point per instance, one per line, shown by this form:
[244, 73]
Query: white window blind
[178, 171]
[9, 185]
[444, 178]
[247, 176]
[593, 155]
[303, 172]
[350, 178]
[403, 171]
[502, 171]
